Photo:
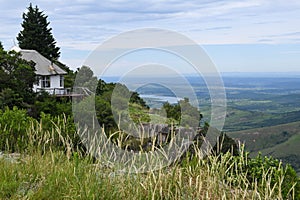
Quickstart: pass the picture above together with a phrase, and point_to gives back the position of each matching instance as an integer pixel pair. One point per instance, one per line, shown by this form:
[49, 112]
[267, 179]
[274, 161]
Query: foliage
[259, 166]
[173, 111]
[9, 98]
[112, 99]
[138, 113]
[225, 144]
[16, 80]
[183, 113]
[53, 156]
[135, 98]
[85, 78]
[13, 129]
[105, 110]
[61, 133]
[280, 141]
[21, 133]
[48, 104]
[36, 35]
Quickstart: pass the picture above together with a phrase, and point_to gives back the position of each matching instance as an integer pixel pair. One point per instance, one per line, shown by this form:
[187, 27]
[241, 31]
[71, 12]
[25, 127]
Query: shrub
[13, 128]
[20, 133]
[259, 166]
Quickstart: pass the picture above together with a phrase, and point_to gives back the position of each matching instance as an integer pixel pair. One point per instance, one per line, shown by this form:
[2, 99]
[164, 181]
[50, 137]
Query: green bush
[259, 166]
[260, 174]
[20, 133]
[13, 128]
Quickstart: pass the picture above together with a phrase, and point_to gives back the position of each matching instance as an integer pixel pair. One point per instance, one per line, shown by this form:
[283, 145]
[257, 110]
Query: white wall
[54, 83]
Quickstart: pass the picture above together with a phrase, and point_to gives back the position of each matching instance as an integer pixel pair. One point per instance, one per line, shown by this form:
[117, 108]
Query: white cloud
[82, 24]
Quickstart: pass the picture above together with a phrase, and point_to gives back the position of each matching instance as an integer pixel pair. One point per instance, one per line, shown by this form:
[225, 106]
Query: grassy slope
[289, 146]
[237, 119]
[288, 151]
[280, 141]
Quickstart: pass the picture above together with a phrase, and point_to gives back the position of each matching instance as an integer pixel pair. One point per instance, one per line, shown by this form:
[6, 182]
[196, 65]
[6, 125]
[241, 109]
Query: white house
[50, 76]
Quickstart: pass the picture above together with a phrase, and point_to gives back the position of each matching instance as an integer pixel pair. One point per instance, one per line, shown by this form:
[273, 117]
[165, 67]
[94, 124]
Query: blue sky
[239, 36]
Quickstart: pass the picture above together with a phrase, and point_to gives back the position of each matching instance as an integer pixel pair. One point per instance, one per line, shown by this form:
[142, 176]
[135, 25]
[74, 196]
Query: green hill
[280, 141]
[243, 119]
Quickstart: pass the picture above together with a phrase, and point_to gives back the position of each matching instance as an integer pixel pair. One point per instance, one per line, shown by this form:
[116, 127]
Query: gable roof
[43, 66]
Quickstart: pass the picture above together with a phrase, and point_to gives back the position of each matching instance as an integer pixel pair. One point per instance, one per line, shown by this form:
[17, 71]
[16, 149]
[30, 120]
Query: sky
[238, 36]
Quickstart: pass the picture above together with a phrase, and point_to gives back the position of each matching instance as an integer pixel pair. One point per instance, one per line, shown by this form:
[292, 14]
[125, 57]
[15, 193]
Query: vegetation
[183, 113]
[54, 142]
[281, 141]
[42, 155]
[51, 167]
[16, 80]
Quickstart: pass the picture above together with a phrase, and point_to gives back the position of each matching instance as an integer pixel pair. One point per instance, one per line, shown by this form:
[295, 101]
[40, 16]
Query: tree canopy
[36, 35]
[16, 79]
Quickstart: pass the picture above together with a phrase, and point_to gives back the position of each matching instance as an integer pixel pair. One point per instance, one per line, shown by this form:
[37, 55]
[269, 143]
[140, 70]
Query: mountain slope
[280, 141]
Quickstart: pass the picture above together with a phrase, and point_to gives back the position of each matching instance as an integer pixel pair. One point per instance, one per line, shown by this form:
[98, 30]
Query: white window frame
[45, 82]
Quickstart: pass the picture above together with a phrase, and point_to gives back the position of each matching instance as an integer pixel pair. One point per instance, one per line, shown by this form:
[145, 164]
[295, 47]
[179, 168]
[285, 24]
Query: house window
[45, 81]
[37, 80]
[61, 81]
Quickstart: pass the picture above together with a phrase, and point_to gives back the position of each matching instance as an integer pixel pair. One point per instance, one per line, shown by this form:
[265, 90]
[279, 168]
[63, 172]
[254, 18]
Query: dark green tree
[183, 112]
[16, 79]
[36, 35]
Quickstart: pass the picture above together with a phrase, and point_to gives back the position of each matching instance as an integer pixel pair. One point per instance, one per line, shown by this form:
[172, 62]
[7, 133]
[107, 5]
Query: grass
[287, 151]
[54, 176]
[238, 119]
[283, 149]
[280, 141]
[260, 138]
[50, 167]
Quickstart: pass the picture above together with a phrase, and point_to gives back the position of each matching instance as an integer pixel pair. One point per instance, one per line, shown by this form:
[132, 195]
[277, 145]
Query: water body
[156, 101]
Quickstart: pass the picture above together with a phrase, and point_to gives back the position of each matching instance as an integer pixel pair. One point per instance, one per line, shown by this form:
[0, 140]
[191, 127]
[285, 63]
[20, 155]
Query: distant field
[280, 141]
[256, 102]
[264, 112]
[238, 119]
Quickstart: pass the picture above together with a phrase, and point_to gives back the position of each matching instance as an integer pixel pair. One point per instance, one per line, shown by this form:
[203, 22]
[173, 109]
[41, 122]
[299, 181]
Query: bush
[20, 133]
[259, 166]
[13, 129]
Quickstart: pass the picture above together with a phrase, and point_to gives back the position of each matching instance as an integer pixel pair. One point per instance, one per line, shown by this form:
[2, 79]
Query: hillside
[280, 141]
[242, 119]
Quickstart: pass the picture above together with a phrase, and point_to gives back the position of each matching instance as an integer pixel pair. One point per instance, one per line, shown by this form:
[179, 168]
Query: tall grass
[55, 176]
[51, 166]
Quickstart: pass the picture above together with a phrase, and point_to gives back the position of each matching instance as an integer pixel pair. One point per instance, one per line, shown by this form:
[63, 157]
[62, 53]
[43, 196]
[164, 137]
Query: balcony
[76, 92]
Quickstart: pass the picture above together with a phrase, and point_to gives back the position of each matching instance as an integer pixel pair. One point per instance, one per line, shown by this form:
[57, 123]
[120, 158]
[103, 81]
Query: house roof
[43, 66]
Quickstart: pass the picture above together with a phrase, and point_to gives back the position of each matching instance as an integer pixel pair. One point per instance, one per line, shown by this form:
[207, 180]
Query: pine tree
[36, 35]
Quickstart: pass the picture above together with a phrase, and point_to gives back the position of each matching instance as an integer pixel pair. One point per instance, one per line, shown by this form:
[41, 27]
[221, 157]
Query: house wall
[54, 88]
[55, 81]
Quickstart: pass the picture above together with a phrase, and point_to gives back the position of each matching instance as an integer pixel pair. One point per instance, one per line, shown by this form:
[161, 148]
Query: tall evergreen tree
[36, 35]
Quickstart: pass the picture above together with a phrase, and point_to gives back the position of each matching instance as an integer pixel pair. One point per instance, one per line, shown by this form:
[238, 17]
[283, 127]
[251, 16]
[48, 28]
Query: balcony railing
[68, 92]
